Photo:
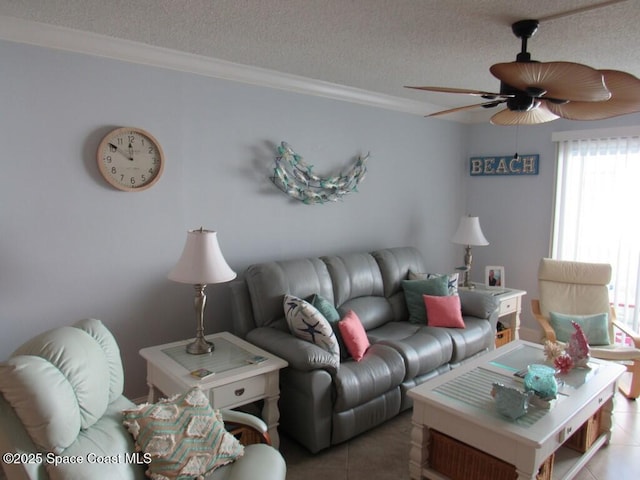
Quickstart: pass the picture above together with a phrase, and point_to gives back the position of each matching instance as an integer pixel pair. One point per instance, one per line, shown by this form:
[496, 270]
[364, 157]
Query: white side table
[236, 381]
[510, 305]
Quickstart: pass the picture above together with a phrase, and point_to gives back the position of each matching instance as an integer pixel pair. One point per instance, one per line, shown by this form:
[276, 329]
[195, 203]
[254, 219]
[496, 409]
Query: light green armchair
[61, 401]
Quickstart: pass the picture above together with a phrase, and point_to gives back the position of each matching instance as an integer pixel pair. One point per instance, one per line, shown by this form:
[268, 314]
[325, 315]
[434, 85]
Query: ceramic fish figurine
[578, 347]
[511, 403]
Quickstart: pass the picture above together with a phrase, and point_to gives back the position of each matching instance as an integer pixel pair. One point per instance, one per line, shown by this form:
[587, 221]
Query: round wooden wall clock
[130, 159]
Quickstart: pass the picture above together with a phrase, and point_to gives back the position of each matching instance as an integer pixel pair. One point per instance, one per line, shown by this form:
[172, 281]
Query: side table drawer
[238, 393]
[508, 306]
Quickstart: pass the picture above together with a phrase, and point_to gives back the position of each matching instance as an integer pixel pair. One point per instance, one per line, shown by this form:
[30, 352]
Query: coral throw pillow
[444, 311]
[354, 335]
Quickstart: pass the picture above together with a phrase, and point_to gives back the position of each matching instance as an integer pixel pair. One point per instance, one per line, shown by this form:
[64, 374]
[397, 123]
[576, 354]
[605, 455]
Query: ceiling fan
[538, 92]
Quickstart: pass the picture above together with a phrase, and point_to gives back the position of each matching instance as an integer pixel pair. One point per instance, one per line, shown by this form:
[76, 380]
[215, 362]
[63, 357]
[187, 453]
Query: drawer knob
[239, 392]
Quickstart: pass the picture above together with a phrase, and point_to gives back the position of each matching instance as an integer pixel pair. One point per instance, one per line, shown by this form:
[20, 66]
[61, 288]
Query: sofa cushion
[357, 286]
[423, 349]
[443, 311]
[476, 337]
[269, 282]
[415, 289]
[183, 435]
[307, 323]
[380, 370]
[354, 335]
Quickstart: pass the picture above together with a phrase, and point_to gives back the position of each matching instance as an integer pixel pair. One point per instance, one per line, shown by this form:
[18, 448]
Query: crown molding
[79, 41]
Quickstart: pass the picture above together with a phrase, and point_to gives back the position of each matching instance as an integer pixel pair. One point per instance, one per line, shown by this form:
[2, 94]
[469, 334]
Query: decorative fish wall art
[295, 177]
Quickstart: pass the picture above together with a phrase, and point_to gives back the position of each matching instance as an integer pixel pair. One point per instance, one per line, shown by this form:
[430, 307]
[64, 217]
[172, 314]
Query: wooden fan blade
[625, 98]
[564, 80]
[493, 103]
[477, 93]
[531, 117]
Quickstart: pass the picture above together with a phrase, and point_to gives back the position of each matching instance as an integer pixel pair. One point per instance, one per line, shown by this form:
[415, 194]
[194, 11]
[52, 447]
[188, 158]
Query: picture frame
[494, 276]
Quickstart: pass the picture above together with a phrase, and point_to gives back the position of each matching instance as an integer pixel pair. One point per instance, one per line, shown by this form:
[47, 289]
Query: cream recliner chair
[579, 288]
[62, 392]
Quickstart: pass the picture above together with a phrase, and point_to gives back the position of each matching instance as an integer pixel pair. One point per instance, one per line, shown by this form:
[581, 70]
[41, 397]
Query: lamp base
[200, 346]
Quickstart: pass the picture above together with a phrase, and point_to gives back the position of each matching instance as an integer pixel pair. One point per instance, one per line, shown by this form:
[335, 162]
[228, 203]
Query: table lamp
[469, 233]
[201, 264]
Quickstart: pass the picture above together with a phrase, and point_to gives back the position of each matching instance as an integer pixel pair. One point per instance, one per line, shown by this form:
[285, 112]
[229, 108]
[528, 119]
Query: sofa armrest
[477, 304]
[300, 354]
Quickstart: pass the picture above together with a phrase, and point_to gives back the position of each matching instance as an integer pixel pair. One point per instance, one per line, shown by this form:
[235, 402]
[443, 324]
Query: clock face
[130, 159]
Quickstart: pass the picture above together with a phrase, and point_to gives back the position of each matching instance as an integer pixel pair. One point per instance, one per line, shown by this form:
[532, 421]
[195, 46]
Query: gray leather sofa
[324, 402]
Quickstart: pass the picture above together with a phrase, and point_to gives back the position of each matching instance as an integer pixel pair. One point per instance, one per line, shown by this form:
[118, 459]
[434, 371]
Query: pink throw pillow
[354, 335]
[443, 311]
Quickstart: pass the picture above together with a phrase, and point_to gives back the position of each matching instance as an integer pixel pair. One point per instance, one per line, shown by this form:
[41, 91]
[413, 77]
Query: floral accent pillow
[307, 323]
[184, 437]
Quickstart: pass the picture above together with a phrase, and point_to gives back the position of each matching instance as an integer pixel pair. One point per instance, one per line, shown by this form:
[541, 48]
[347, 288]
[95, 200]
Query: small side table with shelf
[236, 381]
[510, 307]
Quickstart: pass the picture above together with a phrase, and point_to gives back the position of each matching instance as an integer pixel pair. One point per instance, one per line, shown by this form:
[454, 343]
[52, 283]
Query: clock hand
[121, 152]
[130, 152]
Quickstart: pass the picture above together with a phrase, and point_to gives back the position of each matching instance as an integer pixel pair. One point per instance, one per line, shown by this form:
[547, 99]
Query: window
[597, 214]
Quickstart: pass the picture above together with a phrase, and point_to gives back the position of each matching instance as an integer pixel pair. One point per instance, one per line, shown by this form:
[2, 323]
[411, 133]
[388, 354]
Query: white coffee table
[236, 381]
[459, 405]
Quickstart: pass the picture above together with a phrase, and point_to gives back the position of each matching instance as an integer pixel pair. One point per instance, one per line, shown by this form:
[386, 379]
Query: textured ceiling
[375, 45]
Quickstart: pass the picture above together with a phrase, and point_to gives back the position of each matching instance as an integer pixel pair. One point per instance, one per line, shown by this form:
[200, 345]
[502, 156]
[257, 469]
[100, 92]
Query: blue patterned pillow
[452, 279]
[326, 308]
[183, 436]
[307, 323]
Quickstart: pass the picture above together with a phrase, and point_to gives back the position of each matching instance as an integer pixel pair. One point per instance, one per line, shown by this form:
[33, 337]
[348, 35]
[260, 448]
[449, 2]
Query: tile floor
[383, 453]
[621, 459]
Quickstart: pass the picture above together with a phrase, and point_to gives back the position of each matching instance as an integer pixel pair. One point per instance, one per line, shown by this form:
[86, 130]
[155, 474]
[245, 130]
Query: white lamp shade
[202, 262]
[469, 232]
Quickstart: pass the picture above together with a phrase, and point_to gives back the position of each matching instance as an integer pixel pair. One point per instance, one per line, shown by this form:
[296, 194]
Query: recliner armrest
[300, 354]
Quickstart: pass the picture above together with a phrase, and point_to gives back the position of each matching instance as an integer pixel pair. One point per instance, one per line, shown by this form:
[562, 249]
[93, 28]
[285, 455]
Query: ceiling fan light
[535, 116]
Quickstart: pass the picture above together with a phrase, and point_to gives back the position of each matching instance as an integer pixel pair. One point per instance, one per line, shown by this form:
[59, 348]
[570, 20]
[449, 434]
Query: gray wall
[72, 247]
[516, 212]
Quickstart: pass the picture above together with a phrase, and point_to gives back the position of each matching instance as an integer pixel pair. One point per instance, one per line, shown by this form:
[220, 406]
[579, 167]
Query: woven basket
[503, 337]
[582, 440]
[459, 461]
